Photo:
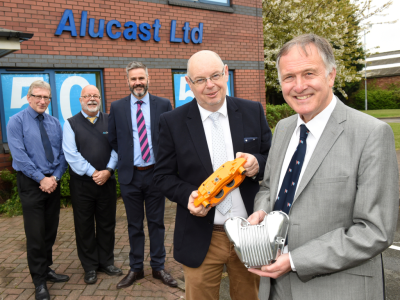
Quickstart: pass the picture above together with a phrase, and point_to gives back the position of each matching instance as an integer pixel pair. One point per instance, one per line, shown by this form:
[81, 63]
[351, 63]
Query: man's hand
[48, 184]
[275, 270]
[200, 211]
[251, 164]
[256, 217]
[100, 177]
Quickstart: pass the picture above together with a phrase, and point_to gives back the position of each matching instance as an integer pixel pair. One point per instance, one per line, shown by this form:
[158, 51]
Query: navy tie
[45, 140]
[289, 184]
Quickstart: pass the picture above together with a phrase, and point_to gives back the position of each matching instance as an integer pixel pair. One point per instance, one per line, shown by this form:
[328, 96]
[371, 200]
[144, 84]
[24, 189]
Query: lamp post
[365, 52]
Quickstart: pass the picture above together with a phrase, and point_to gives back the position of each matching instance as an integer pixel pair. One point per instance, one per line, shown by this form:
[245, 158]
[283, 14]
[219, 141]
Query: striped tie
[91, 119]
[142, 132]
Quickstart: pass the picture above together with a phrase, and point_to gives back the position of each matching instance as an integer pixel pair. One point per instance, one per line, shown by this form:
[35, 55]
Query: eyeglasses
[213, 78]
[91, 96]
[39, 97]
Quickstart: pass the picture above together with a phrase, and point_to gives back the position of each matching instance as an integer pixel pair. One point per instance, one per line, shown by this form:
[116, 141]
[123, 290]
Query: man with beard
[93, 187]
[133, 134]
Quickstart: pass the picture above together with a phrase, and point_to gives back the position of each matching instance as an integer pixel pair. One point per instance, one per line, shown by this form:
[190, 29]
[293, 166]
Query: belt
[143, 168]
[219, 228]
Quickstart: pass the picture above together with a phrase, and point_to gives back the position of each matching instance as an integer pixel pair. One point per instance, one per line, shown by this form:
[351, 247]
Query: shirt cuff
[37, 176]
[90, 171]
[291, 263]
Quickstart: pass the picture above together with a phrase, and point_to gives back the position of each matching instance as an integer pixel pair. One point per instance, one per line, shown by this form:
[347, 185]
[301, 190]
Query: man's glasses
[213, 78]
[39, 97]
[91, 96]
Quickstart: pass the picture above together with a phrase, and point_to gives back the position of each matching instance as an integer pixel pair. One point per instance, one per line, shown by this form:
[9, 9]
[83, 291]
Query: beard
[85, 106]
[145, 87]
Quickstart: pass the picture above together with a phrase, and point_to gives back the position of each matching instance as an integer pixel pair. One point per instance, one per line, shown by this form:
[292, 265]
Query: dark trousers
[139, 193]
[94, 217]
[41, 215]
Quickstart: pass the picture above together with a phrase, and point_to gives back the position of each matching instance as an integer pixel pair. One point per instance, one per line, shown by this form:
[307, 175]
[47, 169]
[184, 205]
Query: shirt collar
[204, 113]
[33, 112]
[86, 115]
[145, 99]
[317, 125]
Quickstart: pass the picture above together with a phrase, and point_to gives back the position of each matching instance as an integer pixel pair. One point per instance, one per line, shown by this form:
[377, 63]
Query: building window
[182, 92]
[218, 2]
[66, 87]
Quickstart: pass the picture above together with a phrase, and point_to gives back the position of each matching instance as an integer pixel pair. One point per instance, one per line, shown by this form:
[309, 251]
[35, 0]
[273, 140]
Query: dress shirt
[238, 209]
[26, 146]
[76, 161]
[316, 127]
[137, 152]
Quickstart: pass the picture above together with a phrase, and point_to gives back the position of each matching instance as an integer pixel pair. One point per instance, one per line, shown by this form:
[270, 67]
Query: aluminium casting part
[220, 183]
[258, 245]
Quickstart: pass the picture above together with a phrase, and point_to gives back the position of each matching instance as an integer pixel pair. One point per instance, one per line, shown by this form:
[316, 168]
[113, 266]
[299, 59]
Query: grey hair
[324, 48]
[136, 65]
[39, 84]
[209, 51]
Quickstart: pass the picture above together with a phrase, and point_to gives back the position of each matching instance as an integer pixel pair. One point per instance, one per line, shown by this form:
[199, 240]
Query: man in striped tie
[133, 134]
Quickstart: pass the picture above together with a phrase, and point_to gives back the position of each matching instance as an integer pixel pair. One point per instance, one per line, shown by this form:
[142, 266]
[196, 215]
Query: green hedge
[275, 113]
[377, 99]
[13, 207]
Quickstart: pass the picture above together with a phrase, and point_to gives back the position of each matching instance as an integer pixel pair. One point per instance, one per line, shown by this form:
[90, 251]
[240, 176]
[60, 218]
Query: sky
[386, 36]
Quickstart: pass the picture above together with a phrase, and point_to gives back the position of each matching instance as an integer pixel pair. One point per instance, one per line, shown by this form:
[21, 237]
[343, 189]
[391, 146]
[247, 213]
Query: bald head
[201, 56]
[90, 100]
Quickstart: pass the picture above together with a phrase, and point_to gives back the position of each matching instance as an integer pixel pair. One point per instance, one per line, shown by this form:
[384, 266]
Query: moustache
[138, 85]
[92, 102]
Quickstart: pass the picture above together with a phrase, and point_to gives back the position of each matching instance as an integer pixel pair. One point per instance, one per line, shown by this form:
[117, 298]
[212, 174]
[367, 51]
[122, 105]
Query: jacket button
[131, 160]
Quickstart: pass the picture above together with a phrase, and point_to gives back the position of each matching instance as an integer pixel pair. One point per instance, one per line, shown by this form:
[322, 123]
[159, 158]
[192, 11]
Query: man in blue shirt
[93, 186]
[133, 134]
[35, 141]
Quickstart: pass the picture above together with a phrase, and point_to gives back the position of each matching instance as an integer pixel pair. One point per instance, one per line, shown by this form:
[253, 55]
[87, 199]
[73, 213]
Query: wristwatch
[110, 170]
[56, 178]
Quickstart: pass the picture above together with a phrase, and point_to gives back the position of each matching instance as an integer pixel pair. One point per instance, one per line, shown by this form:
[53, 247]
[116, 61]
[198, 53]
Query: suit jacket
[184, 163]
[345, 209]
[120, 133]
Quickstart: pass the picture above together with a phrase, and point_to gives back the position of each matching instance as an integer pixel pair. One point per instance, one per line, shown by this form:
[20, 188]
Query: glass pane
[182, 92]
[15, 88]
[68, 87]
[216, 1]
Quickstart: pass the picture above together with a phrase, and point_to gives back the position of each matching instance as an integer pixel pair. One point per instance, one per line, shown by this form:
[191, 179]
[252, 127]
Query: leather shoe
[90, 277]
[53, 277]
[111, 270]
[165, 277]
[129, 279]
[41, 292]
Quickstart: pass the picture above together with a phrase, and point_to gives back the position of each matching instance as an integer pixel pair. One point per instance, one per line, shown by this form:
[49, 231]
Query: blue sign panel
[15, 88]
[68, 88]
[183, 94]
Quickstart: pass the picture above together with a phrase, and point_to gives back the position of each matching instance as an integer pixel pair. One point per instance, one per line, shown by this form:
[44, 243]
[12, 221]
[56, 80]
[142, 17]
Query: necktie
[288, 188]
[142, 132]
[219, 157]
[91, 119]
[45, 140]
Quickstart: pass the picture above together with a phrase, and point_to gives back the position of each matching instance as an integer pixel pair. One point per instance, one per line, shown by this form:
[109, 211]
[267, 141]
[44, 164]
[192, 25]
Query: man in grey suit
[345, 201]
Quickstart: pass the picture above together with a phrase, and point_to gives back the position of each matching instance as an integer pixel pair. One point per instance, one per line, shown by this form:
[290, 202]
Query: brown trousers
[203, 283]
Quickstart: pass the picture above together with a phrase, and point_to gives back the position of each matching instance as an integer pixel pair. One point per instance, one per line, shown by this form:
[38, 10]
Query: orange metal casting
[226, 178]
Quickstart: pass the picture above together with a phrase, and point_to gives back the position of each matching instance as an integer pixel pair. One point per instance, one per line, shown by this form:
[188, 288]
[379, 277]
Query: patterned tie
[288, 188]
[45, 140]
[91, 119]
[219, 157]
[142, 132]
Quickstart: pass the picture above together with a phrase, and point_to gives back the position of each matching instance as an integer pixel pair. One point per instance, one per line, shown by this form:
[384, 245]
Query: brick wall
[384, 82]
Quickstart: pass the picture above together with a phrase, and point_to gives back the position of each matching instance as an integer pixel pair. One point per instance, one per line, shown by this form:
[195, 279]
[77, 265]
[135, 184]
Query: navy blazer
[120, 133]
[184, 162]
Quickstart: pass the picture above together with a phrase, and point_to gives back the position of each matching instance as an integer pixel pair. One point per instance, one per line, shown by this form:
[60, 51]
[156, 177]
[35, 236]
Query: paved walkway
[16, 283]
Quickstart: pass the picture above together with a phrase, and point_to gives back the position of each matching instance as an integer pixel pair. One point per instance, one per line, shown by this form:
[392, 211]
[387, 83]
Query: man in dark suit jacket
[133, 134]
[188, 149]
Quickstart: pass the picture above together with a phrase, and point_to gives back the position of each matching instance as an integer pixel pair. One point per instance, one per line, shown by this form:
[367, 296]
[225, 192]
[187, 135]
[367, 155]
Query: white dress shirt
[238, 209]
[316, 127]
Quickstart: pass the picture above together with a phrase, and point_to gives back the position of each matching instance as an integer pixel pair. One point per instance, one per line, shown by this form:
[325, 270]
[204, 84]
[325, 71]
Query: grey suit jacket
[344, 212]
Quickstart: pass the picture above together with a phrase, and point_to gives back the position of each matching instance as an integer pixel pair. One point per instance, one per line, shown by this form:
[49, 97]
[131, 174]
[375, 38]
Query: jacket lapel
[236, 126]
[328, 138]
[199, 141]
[127, 108]
[153, 110]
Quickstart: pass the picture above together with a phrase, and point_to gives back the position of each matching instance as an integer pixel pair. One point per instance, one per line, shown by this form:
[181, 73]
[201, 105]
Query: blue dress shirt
[76, 161]
[137, 153]
[26, 145]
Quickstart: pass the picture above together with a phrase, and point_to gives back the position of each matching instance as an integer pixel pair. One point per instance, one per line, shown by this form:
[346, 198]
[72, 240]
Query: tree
[336, 20]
